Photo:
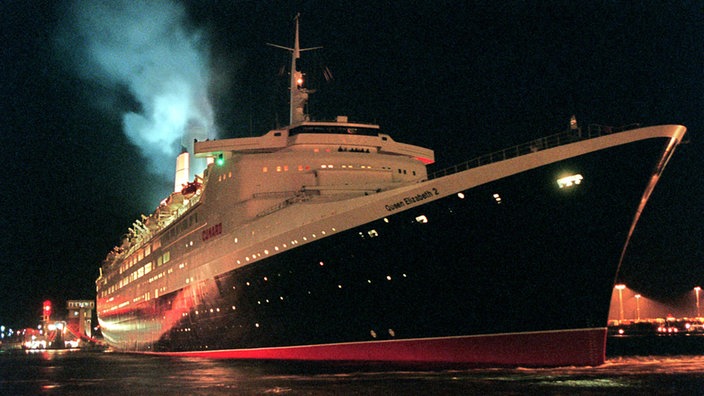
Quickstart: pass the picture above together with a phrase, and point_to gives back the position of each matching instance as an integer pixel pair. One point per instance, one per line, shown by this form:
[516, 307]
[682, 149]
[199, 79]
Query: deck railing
[558, 139]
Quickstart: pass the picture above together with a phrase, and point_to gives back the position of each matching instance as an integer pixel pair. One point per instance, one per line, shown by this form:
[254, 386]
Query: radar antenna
[299, 94]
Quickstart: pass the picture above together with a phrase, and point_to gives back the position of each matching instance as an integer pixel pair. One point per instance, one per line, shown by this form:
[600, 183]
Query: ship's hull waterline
[492, 265]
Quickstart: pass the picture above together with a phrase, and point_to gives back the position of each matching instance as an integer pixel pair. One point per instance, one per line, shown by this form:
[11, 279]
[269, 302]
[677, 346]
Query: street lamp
[696, 291]
[620, 288]
[638, 306]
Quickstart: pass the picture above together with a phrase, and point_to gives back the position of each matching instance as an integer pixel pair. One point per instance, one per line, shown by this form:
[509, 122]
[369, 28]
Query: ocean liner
[330, 241]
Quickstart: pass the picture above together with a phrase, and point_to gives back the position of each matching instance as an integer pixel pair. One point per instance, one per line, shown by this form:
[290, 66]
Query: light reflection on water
[89, 373]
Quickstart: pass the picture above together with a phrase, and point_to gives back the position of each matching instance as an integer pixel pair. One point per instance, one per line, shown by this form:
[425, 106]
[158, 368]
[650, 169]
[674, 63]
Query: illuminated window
[569, 181]
[460, 195]
[265, 169]
[422, 219]
[497, 198]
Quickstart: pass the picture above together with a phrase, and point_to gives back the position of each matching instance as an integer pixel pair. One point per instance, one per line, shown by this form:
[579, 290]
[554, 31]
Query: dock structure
[80, 314]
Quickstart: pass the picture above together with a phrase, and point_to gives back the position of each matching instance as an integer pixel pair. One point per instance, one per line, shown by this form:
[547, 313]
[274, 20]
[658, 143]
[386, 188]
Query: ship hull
[553, 348]
[508, 271]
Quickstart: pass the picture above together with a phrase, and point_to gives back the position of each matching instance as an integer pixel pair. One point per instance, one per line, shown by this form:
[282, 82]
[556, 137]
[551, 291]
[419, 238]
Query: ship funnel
[182, 170]
[195, 130]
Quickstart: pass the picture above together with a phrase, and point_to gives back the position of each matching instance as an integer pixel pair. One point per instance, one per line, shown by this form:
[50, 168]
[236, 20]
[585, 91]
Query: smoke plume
[147, 48]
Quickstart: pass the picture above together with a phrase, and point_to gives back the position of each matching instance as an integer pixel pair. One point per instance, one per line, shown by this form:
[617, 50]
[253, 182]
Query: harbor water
[73, 372]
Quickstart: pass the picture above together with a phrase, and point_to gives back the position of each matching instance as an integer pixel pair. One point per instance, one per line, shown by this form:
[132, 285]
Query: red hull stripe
[582, 347]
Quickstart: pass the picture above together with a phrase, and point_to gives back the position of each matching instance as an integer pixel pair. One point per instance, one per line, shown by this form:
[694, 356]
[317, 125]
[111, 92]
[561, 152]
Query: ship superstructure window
[497, 198]
[336, 129]
[569, 181]
[422, 219]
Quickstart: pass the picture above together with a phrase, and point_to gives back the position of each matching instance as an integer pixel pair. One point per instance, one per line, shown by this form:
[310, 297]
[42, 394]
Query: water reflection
[84, 373]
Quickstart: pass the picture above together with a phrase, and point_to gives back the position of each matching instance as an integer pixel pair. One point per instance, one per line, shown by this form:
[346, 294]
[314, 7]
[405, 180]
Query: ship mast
[299, 94]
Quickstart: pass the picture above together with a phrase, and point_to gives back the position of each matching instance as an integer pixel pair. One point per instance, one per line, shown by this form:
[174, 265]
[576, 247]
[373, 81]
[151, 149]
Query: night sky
[82, 85]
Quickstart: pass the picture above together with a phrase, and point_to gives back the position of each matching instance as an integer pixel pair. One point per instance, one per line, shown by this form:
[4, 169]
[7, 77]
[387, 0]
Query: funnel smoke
[147, 48]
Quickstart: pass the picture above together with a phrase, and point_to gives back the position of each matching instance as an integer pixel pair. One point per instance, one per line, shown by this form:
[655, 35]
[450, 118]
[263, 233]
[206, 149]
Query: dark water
[104, 373]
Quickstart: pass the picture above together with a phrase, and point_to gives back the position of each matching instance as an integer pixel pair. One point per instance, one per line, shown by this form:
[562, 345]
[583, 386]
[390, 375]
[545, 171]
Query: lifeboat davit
[189, 189]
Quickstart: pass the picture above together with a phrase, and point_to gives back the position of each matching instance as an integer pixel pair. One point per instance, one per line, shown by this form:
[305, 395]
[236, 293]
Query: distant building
[80, 314]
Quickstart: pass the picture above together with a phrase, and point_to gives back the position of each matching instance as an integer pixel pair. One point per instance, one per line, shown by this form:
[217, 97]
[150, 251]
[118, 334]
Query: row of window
[136, 274]
[181, 226]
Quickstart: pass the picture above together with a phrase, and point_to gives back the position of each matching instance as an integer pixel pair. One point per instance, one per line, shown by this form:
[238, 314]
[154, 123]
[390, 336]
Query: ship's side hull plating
[514, 271]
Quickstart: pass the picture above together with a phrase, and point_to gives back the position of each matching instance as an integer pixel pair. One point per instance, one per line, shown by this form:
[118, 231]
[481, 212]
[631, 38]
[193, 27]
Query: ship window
[422, 219]
[265, 169]
[569, 181]
[278, 168]
[166, 257]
